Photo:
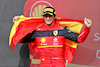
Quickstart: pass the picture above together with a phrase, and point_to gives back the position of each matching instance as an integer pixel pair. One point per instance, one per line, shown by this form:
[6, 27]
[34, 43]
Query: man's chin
[48, 23]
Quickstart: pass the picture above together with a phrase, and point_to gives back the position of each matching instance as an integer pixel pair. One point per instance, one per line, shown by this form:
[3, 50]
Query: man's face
[49, 19]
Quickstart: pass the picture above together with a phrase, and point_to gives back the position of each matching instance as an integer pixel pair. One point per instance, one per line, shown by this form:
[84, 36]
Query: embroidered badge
[55, 32]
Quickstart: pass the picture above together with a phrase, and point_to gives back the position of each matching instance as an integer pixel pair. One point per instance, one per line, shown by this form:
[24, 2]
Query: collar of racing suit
[50, 26]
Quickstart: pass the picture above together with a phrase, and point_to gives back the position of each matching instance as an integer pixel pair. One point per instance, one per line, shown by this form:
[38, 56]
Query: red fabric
[68, 53]
[70, 20]
[52, 55]
[28, 26]
[83, 34]
[24, 28]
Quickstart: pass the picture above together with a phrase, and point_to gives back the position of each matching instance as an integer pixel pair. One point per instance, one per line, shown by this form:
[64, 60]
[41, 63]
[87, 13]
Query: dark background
[9, 58]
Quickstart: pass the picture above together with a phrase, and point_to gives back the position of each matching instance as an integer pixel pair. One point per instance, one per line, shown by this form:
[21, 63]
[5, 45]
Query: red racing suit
[50, 41]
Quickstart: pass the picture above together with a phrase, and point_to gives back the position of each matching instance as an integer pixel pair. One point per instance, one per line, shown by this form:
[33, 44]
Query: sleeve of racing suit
[74, 36]
[28, 38]
[70, 35]
[82, 36]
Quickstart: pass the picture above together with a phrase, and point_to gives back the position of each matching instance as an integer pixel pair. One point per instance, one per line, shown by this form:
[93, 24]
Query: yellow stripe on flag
[75, 27]
[16, 23]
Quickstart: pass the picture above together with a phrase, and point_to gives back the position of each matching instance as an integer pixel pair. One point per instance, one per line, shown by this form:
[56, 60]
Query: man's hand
[87, 22]
[15, 18]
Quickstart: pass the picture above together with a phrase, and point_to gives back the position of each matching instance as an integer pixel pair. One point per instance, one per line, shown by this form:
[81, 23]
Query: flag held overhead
[26, 25]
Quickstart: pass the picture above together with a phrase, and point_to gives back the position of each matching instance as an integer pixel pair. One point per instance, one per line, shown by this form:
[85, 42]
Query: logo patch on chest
[43, 40]
[55, 33]
[55, 41]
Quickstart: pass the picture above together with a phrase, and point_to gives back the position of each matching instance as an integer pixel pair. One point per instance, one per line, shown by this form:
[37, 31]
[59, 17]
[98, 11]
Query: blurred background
[87, 53]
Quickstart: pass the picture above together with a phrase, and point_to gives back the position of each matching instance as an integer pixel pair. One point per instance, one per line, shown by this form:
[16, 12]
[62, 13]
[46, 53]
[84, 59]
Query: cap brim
[47, 14]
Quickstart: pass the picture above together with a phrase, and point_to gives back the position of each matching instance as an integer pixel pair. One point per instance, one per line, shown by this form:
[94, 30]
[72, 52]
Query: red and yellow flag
[22, 27]
[26, 25]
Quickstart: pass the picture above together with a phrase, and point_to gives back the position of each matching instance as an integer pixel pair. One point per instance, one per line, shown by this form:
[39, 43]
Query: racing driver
[50, 38]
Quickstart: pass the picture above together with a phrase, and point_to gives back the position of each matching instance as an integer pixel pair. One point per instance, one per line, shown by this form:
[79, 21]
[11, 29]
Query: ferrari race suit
[50, 42]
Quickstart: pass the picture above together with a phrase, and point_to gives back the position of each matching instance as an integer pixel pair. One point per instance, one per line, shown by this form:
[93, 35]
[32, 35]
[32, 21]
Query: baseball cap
[49, 11]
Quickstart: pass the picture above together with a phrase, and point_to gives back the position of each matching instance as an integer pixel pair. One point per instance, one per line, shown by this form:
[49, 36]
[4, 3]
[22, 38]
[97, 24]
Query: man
[50, 38]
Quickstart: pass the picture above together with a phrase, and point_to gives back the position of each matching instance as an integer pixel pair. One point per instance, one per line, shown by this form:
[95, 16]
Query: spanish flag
[26, 25]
